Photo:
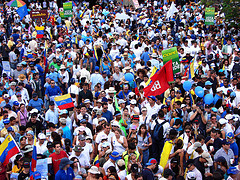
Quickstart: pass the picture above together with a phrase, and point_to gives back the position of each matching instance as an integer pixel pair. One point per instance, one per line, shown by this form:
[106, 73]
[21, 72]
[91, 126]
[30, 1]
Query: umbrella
[16, 3]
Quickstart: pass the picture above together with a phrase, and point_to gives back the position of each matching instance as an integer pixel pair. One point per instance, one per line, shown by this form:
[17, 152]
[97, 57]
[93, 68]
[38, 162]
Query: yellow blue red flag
[64, 101]
[8, 149]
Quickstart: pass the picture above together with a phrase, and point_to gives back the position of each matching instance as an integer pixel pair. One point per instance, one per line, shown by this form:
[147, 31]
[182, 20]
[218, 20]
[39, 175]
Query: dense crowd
[114, 131]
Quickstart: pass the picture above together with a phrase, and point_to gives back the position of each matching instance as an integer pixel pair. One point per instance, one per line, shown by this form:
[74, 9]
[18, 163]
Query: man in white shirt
[112, 161]
[41, 145]
[83, 160]
[152, 106]
[192, 168]
[106, 132]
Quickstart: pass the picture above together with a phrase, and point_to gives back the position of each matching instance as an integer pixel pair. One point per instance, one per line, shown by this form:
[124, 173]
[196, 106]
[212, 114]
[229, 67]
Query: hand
[210, 141]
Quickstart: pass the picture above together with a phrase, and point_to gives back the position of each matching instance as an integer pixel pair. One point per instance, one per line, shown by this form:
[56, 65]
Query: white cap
[121, 101]
[41, 136]
[183, 105]
[133, 101]
[115, 123]
[191, 175]
[228, 117]
[222, 121]
[131, 94]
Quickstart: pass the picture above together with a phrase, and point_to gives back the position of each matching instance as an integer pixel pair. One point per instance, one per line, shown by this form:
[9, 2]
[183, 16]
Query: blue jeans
[145, 157]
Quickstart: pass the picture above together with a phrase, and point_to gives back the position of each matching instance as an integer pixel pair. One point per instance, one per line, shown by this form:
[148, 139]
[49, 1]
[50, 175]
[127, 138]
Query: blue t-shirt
[53, 91]
[234, 148]
[63, 175]
[67, 133]
[36, 104]
[120, 95]
[108, 115]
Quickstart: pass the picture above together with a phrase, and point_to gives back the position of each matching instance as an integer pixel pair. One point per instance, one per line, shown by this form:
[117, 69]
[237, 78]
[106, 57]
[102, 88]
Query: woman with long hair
[22, 115]
[78, 171]
[111, 171]
[23, 142]
[144, 142]
[119, 142]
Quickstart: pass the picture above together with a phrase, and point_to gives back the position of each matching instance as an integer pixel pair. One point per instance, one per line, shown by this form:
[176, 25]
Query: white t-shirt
[99, 136]
[87, 130]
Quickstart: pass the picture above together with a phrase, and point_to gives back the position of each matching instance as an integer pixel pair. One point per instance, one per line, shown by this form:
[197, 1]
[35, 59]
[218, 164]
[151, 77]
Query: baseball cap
[87, 101]
[225, 142]
[83, 120]
[230, 135]
[164, 106]
[222, 121]
[6, 121]
[10, 129]
[96, 68]
[134, 168]
[63, 120]
[78, 148]
[151, 161]
[228, 117]
[49, 145]
[214, 109]
[15, 103]
[191, 175]
[197, 145]
[115, 123]
[26, 165]
[81, 137]
[133, 101]
[232, 170]
[152, 97]
[41, 136]
[208, 83]
[120, 162]
[121, 101]
[105, 144]
[34, 95]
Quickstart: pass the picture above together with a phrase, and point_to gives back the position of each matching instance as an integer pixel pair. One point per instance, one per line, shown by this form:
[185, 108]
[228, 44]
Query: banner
[39, 14]
[160, 81]
[172, 54]
[42, 167]
[209, 16]
[61, 12]
[67, 8]
[136, 4]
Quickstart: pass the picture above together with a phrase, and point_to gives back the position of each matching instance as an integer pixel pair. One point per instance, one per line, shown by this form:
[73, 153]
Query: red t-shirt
[56, 159]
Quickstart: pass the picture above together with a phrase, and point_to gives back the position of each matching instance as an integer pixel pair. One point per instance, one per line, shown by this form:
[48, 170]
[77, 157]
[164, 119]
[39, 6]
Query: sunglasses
[187, 131]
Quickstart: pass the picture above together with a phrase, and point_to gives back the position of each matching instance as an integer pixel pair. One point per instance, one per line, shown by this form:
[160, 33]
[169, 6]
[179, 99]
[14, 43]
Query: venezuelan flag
[191, 70]
[96, 161]
[64, 101]
[109, 59]
[95, 52]
[34, 159]
[84, 10]
[154, 71]
[8, 149]
[40, 31]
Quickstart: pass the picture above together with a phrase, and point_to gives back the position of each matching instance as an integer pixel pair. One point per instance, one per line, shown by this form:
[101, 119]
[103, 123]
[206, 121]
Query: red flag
[160, 81]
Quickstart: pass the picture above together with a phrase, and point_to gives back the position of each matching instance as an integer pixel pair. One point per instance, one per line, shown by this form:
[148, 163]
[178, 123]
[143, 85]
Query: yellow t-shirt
[175, 100]
[15, 169]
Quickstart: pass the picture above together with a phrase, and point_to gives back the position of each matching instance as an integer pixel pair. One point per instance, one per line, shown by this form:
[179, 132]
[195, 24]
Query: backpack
[158, 131]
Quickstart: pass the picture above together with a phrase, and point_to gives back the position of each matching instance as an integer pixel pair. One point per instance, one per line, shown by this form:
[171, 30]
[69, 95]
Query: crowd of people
[114, 131]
